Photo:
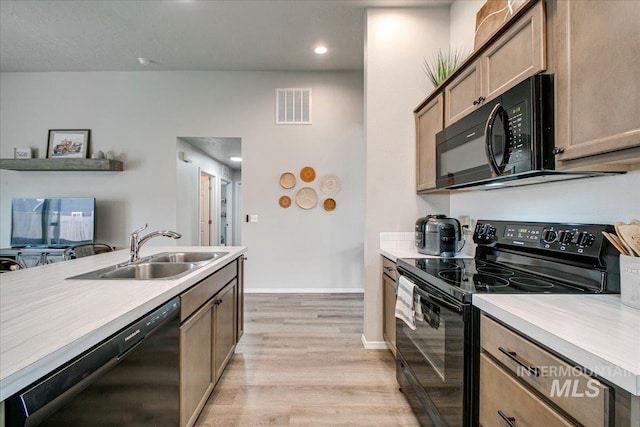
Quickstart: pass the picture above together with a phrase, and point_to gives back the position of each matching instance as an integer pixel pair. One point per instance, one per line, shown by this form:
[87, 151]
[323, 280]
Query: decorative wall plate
[306, 198]
[307, 174]
[329, 205]
[330, 184]
[287, 180]
[284, 202]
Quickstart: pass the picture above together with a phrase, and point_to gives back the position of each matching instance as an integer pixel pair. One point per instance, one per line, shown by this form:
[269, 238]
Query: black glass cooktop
[462, 277]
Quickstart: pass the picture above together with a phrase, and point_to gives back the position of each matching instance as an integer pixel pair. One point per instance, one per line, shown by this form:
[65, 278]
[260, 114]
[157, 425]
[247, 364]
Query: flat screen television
[52, 223]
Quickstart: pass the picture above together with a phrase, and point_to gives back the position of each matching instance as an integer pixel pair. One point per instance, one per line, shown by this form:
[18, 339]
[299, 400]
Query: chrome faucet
[136, 243]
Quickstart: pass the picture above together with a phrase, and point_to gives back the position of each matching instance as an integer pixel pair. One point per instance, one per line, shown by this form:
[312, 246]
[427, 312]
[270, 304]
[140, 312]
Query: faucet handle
[140, 229]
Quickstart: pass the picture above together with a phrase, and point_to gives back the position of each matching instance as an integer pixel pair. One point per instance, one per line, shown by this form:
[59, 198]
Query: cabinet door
[516, 55]
[240, 296]
[462, 95]
[389, 303]
[428, 124]
[597, 84]
[224, 328]
[195, 364]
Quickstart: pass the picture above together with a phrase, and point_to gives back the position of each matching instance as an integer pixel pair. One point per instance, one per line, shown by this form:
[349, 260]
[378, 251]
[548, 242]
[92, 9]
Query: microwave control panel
[518, 133]
[578, 239]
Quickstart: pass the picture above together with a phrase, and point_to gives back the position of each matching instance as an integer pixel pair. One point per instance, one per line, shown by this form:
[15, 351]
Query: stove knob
[549, 236]
[561, 236]
[576, 237]
[568, 236]
[587, 239]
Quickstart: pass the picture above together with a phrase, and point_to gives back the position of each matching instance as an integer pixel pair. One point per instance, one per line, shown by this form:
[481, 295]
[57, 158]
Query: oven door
[432, 359]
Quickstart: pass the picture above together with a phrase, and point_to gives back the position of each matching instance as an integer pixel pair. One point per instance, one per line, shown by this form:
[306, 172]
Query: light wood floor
[300, 362]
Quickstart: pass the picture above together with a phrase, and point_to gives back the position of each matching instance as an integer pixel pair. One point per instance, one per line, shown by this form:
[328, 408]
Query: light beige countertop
[394, 245]
[394, 254]
[47, 319]
[596, 332]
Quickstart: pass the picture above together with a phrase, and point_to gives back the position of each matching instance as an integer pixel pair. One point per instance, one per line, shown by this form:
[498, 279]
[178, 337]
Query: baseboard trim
[305, 291]
[373, 345]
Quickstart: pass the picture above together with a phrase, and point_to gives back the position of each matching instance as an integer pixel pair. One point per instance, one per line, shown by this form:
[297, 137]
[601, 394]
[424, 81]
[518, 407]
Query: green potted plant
[442, 65]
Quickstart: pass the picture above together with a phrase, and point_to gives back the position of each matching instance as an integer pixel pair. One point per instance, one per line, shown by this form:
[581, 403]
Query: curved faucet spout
[137, 242]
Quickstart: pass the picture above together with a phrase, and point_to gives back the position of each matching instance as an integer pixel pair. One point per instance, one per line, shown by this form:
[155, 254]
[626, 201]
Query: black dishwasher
[131, 378]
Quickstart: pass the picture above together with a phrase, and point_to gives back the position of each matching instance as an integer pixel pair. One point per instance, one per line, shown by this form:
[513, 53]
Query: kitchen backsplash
[397, 240]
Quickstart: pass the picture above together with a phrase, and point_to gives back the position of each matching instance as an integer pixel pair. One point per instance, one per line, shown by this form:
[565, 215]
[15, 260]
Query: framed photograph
[68, 143]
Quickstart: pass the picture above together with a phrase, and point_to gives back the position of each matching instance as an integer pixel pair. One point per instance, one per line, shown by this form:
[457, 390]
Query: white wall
[139, 115]
[397, 41]
[462, 15]
[602, 200]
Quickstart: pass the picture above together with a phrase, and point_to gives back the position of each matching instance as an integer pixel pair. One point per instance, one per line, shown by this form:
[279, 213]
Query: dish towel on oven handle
[406, 303]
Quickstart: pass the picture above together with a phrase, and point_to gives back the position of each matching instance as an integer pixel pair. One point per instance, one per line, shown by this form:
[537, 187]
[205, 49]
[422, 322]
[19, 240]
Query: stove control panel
[577, 239]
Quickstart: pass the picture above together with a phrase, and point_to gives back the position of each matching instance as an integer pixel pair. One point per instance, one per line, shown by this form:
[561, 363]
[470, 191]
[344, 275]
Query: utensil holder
[630, 281]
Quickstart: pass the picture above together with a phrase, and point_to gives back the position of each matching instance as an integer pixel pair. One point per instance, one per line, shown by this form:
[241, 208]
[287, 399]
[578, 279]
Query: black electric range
[437, 364]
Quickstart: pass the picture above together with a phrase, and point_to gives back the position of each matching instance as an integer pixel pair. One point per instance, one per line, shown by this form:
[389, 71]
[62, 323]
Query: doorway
[208, 235]
[226, 213]
[209, 169]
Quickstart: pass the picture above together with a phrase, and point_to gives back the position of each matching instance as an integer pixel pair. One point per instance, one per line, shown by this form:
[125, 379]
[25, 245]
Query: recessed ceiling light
[320, 50]
[235, 159]
[144, 61]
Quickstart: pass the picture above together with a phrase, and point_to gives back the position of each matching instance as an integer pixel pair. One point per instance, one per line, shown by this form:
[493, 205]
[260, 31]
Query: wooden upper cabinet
[429, 122]
[462, 95]
[517, 54]
[597, 84]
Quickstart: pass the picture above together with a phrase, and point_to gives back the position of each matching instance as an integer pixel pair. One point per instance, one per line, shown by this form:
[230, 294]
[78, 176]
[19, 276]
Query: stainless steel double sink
[166, 265]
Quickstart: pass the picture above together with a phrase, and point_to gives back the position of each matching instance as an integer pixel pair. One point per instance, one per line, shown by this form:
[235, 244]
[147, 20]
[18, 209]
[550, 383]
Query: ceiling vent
[293, 106]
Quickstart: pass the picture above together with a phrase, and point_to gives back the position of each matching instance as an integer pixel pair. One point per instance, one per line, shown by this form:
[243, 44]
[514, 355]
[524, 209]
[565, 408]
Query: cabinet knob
[557, 150]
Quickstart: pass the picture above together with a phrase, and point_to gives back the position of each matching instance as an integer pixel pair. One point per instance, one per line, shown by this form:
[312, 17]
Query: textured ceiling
[100, 35]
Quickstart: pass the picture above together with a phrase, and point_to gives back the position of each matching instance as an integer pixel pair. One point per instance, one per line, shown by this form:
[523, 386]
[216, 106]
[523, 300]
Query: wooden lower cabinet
[208, 336]
[196, 376]
[240, 298]
[503, 399]
[389, 303]
[224, 329]
[527, 382]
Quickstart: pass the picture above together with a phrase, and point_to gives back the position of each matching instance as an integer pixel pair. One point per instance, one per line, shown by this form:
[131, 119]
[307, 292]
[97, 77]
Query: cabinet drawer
[582, 397]
[389, 268]
[503, 396]
[204, 290]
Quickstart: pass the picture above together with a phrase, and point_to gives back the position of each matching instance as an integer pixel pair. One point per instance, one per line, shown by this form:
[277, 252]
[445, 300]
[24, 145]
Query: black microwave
[510, 136]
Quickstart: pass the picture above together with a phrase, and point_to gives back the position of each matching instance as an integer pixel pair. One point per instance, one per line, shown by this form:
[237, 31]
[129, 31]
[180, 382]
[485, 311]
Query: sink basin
[149, 270]
[166, 265]
[194, 257]
[141, 271]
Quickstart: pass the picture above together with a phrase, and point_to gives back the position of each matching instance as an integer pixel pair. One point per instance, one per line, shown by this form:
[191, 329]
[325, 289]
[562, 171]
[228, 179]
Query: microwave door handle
[488, 136]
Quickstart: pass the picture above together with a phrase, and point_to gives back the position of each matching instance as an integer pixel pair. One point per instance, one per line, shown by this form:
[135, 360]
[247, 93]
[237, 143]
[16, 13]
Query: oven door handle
[440, 301]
